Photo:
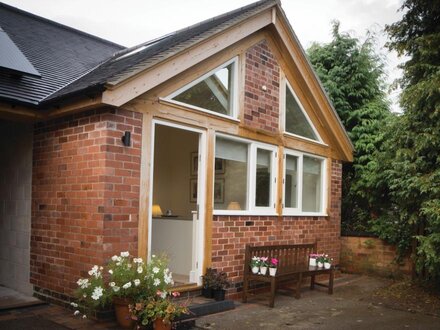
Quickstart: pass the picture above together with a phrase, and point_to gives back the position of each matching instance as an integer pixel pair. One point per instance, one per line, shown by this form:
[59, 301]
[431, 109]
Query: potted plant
[219, 285]
[312, 259]
[273, 266]
[130, 280]
[322, 260]
[255, 264]
[263, 265]
[207, 281]
[160, 310]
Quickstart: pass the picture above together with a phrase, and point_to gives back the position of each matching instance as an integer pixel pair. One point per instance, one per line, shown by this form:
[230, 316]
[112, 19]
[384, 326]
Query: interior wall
[172, 172]
[15, 205]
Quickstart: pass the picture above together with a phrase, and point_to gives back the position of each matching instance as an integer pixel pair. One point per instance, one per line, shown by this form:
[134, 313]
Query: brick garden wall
[232, 233]
[371, 255]
[261, 108]
[85, 195]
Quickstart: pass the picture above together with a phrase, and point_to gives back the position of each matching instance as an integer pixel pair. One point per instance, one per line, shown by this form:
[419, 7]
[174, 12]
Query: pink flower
[274, 261]
[158, 292]
[176, 294]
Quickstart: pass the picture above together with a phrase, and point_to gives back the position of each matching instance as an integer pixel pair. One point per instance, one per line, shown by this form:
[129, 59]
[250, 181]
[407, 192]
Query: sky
[131, 22]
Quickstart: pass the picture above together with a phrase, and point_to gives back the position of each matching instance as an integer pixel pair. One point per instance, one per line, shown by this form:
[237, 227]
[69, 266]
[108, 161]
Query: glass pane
[231, 167]
[291, 183]
[312, 185]
[262, 182]
[213, 93]
[296, 121]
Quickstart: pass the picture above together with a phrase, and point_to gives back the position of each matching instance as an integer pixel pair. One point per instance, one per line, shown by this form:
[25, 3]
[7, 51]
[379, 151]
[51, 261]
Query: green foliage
[409, 162]
[352, 74]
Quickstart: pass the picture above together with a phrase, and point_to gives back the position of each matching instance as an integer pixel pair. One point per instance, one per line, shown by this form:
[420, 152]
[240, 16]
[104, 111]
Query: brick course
[232, 233]
[261, 108]
[85, 194]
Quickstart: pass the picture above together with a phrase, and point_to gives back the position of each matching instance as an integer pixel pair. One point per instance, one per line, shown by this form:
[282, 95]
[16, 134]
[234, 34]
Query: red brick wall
[232, 233]
[261, 107]
[85, 194]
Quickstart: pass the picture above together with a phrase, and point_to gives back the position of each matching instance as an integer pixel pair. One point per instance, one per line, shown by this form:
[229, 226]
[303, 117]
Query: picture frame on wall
[220, 166]
[194, 166]
[219, 191]
[193, 190]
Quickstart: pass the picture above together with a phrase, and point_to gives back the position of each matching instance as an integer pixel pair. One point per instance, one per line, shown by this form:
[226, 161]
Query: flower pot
[255, 270]
[219, 294]
[272, 271]
[312, 262]
[122, 313]
[263, 270]
[320, 264]
[327, 265]
[207, 292]
[160, 325]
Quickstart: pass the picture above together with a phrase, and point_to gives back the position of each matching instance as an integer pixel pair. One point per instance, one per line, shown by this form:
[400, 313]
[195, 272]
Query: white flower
[97, 293]
[153, 256]
[76, 313]
[116, 288]
[125, 254]
[140, 270]
[84, 316]
[110, 271]
[84, 295]
[118, 264]
[155, 270]
[126, 285]
[167, 278]
[129, 265]
[83, 283]
[112, 284]
[115, 258]
[156, 282]
[136, 282]
[137, 260]
[73, 304]
[163, 295]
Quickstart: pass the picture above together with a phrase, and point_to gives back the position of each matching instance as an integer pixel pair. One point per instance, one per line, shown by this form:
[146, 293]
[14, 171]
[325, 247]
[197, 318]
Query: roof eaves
[265, 4]
[313, 72]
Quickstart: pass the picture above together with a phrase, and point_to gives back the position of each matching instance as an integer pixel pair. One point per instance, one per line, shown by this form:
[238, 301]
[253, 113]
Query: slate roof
[72, 62]
[60, 54]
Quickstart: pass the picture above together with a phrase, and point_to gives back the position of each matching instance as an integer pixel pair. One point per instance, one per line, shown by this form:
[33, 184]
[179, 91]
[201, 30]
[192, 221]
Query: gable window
[213, 92]
[245, 170]
[304, 183]
[296, 120]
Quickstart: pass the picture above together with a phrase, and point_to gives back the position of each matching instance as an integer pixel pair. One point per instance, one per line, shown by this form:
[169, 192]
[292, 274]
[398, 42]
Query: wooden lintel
[20, 113]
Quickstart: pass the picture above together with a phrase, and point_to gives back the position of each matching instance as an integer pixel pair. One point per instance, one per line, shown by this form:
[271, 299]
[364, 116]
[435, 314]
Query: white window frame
[300, 175]
[253, 146]
[284, 114]
[234, 92]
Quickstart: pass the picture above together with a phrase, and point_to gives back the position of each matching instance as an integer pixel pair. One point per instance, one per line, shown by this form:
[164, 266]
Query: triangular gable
[270, 16]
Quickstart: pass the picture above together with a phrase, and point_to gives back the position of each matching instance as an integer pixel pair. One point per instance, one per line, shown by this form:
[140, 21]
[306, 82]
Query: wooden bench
[293, 264]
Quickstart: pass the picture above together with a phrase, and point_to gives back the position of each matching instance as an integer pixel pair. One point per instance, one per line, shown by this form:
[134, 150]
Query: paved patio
[350, 307]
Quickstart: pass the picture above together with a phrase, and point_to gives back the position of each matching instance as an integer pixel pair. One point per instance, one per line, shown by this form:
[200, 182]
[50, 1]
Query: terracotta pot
[159, 325]
[122, 313]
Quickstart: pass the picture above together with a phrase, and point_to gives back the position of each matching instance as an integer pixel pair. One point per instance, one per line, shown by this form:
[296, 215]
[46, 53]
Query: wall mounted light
[126, 139]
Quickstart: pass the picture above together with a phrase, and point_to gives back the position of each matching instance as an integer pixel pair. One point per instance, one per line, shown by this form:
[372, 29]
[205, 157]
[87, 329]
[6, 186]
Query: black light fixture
[126, 139]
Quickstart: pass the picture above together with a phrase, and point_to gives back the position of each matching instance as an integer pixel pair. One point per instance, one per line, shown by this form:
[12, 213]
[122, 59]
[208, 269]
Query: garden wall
[372, 256]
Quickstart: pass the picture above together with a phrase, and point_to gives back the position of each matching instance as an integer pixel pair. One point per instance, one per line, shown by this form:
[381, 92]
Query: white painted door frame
[199, 216]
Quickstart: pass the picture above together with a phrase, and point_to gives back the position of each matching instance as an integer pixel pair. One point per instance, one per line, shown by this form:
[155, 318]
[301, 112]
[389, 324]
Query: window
[247, 171]
[213, 92]
[296, 120]
[304, 182]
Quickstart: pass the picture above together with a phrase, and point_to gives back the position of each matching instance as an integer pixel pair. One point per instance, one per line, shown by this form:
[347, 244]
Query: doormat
[31, 323]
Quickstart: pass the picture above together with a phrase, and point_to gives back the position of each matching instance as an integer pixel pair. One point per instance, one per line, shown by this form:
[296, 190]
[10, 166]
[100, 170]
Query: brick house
[193, 144]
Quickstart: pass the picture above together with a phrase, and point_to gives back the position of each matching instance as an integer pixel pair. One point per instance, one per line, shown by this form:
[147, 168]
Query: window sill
[195, 109]
[304, 214]
[305, 139]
